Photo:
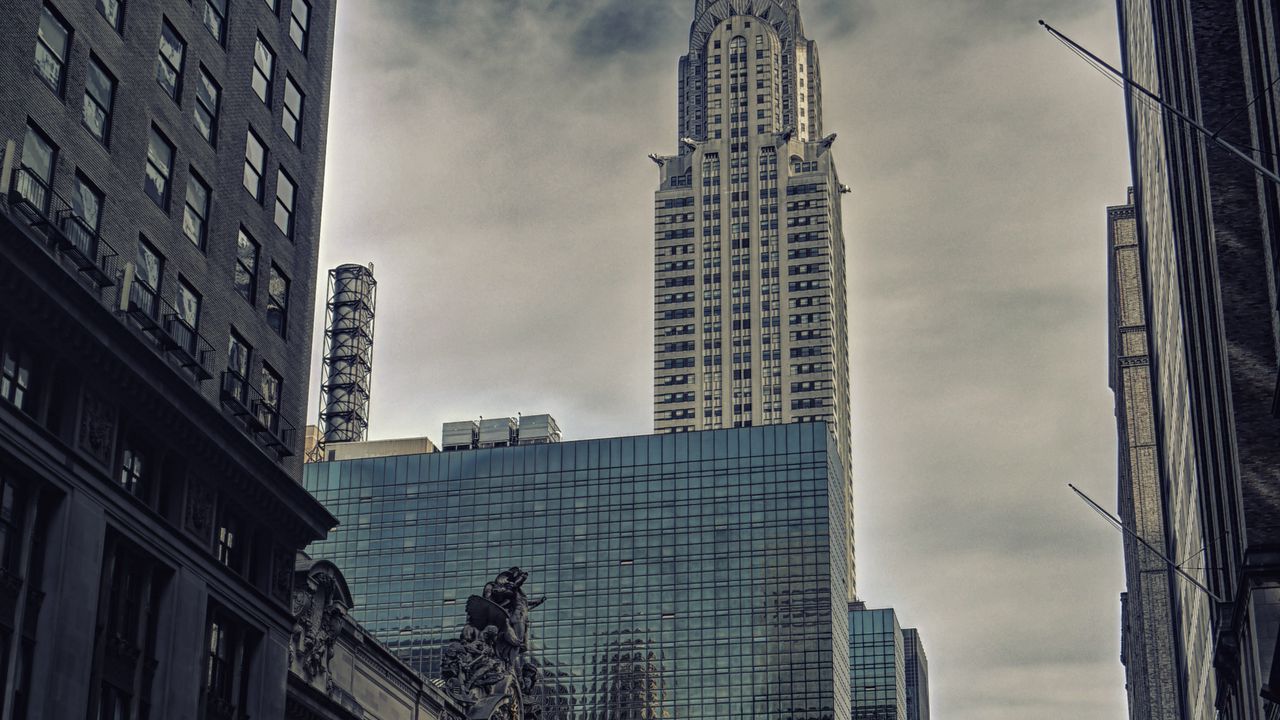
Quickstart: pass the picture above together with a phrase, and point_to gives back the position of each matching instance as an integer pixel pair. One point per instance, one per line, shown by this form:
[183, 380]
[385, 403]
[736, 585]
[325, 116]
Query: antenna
[1213, 136]
[1119, 525]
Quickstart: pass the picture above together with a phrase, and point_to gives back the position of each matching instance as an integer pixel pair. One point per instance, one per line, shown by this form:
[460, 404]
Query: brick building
[1208, 228]
[162, 167]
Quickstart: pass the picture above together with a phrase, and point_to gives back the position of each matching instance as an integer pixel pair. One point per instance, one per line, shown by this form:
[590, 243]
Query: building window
[195, 212]
[274, 5]
[286, 194]
[38, 161]
[133, 470]
[52, 41]
[111, 11]
[159, 168]
[264, 67]
[169, 67]
[278, 301]
[99, 93]
[86, 206]
[215, 19]
[187, 320]
[269, 411]
[147, 274]
[238, 355]
[226, 666]
[132, 585]
[205, 110]
[246, 273]
[11, 497]
[291, 120]
[255, 163]
[228, 549]
[299, 23]
[15, 379]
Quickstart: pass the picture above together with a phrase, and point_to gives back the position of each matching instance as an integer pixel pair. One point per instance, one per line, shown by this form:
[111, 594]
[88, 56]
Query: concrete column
[269, 677]
[180, 648]
[64, 638]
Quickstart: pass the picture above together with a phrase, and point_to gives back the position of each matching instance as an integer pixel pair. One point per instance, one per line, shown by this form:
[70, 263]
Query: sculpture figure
[485, 669]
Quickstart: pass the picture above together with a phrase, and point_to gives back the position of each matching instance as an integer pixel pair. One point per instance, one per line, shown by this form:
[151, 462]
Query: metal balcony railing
[72, 241]
[171, 333]
[259, 417]
[50, 220]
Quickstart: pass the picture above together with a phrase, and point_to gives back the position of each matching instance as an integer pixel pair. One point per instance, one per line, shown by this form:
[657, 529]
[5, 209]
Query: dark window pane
[99, 92]
[110, 9]
[169, 65]
[159, 168]
[52, 40]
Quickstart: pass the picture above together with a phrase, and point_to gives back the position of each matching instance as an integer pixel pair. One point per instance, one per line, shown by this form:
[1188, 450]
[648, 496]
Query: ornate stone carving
[97, 428]
[199, 514]
[282, 573]
[317, 611]
[486, 668]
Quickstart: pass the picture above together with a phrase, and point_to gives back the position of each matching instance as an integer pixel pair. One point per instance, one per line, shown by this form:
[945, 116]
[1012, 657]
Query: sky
[488, 157]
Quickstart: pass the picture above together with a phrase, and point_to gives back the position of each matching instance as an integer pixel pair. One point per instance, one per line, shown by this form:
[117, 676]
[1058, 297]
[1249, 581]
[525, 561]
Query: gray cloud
[488, 155]
[624, 26]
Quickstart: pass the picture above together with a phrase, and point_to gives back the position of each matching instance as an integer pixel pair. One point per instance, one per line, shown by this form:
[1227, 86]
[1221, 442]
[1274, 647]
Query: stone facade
[1151, 628]
[337, 671]
[1207, 224]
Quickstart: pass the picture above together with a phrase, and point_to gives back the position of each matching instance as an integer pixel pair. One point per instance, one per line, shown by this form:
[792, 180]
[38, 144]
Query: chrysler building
[749, 292]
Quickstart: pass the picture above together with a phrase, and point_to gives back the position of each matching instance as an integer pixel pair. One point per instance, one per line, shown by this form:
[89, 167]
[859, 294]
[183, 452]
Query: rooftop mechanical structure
[348, 356]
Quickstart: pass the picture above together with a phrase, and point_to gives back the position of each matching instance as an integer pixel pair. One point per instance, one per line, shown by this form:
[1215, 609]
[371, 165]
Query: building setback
[1207, 228]
[161, 173]
[691, 575]
[749, 292]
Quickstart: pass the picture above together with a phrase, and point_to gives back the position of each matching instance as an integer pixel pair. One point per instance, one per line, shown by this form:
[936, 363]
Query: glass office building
[691, 575]
[877, 665]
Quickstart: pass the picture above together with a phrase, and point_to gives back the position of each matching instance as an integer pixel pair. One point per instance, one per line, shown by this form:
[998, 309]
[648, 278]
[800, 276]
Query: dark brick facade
[118, 168]
[144, 514]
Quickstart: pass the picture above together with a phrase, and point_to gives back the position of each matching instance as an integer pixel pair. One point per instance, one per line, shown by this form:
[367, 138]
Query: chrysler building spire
[795, 73]
[749, 298]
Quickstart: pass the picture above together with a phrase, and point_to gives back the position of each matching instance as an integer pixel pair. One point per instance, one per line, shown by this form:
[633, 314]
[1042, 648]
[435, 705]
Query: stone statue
[486, 669]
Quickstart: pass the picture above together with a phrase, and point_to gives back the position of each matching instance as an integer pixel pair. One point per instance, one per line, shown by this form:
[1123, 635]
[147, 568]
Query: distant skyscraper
[697, 576]
[1209, 229]
[749, 295]
[1157, 642]
[917, 675]
[877, 665]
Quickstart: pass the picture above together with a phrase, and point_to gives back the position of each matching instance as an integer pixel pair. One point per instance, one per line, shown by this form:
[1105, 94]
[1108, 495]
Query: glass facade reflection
[877, 667]
[917, 675]
[691, 575]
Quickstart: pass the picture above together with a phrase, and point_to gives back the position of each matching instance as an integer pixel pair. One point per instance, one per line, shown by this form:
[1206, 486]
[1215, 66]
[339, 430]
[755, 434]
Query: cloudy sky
[489, 157]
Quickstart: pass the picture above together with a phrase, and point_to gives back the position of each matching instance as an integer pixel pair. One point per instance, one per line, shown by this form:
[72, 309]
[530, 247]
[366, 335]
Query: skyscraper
[1210, 235]
[698, 575]
[749, 292]
[161, 176]
[917, 675]
[1166, 640]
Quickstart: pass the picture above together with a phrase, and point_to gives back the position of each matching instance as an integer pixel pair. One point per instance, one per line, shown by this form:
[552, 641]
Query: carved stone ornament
[487, 669]
[317, 613]
[199, 514]
[282, 573]
[97, 428]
